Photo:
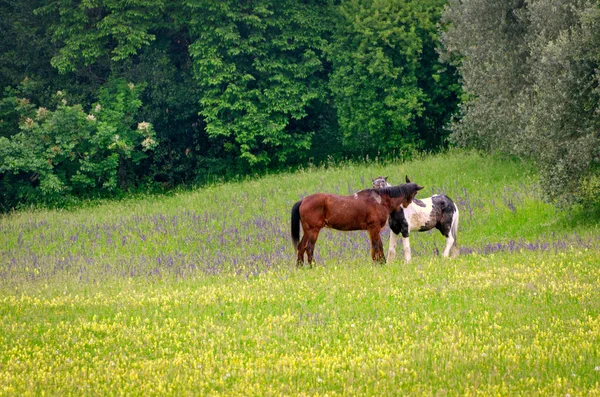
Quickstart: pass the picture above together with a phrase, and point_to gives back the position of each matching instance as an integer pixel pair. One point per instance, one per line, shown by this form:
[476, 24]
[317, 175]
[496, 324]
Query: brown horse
[368, 209]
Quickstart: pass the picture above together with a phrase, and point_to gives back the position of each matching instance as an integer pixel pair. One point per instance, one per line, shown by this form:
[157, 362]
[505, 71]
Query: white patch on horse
[376, 196]
[418, 216]
[355, 195]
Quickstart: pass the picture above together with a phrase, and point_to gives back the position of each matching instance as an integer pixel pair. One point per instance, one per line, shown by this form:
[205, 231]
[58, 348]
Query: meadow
[197, 293]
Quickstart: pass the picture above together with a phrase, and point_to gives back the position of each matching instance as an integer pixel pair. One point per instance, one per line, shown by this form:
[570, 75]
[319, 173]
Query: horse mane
[400, 190]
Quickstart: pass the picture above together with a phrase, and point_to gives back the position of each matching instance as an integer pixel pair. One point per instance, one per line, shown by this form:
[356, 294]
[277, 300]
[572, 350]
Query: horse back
[426, 214]
[354, 212]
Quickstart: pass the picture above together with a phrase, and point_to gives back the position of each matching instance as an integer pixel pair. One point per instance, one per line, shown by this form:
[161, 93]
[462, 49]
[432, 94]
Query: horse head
[407, 191]
[401, 195]
[411, 191]
[380, 182]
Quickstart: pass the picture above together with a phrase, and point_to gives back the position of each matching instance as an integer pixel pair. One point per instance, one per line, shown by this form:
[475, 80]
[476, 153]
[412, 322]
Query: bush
[68, 151]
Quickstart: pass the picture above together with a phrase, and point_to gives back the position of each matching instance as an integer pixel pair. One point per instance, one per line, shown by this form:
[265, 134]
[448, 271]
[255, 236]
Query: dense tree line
[101, 97]
[531, 79]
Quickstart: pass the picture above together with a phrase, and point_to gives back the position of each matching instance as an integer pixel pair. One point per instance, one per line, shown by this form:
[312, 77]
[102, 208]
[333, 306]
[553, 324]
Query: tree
[89, 31]
[387, 84]
[563, 130]
[230, 87]
[260, 68]
[530, 76]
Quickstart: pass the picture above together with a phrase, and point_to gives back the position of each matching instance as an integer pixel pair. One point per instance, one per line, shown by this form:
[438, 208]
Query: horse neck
[391, 203]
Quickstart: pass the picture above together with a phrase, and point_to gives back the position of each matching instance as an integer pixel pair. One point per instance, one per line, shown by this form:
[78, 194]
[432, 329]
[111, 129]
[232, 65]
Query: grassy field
[197, 294]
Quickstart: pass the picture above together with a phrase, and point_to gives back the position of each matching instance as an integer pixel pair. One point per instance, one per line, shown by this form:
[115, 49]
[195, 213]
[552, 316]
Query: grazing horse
[421, 215]
[367, 209]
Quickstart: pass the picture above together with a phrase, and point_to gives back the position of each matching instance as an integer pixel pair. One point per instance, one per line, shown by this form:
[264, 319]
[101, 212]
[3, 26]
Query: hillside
[244, 226]
[197, 293]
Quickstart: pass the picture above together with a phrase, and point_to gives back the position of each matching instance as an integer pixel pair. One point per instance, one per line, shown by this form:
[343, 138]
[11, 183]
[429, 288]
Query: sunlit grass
[197, 294]
[510, 323]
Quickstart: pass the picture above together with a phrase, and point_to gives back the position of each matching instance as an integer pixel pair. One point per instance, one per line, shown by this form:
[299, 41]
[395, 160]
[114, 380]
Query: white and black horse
[437, 211]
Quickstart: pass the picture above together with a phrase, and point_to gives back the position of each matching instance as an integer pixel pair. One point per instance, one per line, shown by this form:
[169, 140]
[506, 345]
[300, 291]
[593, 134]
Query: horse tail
[453, 230]
[296, 224]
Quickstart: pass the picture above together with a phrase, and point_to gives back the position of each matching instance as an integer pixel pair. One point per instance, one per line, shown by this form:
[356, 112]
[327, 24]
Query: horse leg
[406, 246]
[449, 244]
[311, 241]
[301, 250]
[449, 227]
[392, 247]
[376, 246]
[454, 251]
[445, 229]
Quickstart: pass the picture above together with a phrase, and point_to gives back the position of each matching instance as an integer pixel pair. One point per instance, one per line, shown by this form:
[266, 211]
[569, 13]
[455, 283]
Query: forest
[103, 98]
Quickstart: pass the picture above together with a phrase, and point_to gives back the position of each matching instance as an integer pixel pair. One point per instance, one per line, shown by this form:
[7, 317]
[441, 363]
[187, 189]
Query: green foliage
[530, 76]
[170, 103]
[384, 73]
[565, 118]
[68, 151]
[259, 65]
[91, 29]
[231, 88]
[25, 46]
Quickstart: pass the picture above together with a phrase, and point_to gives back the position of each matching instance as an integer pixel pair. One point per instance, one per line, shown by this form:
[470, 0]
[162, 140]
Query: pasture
[197, 293]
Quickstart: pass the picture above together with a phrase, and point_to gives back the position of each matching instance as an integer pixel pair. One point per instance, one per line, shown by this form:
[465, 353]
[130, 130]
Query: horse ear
[385, 177]
[420, 187]
[407, 180]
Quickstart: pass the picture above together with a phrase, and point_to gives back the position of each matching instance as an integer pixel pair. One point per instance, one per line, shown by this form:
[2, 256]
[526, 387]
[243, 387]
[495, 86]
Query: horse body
[437, 212]
[342, 213]
[368, 209]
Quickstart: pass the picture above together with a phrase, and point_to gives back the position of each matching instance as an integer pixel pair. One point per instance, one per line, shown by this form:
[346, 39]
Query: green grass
[175, 296]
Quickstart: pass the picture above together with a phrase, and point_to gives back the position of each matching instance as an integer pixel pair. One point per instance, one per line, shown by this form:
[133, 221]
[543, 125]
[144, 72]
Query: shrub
[68, 151]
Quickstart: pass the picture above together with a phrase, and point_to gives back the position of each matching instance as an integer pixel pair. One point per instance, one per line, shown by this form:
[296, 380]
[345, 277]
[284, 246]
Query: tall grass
[244, 227]
[197, 293]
